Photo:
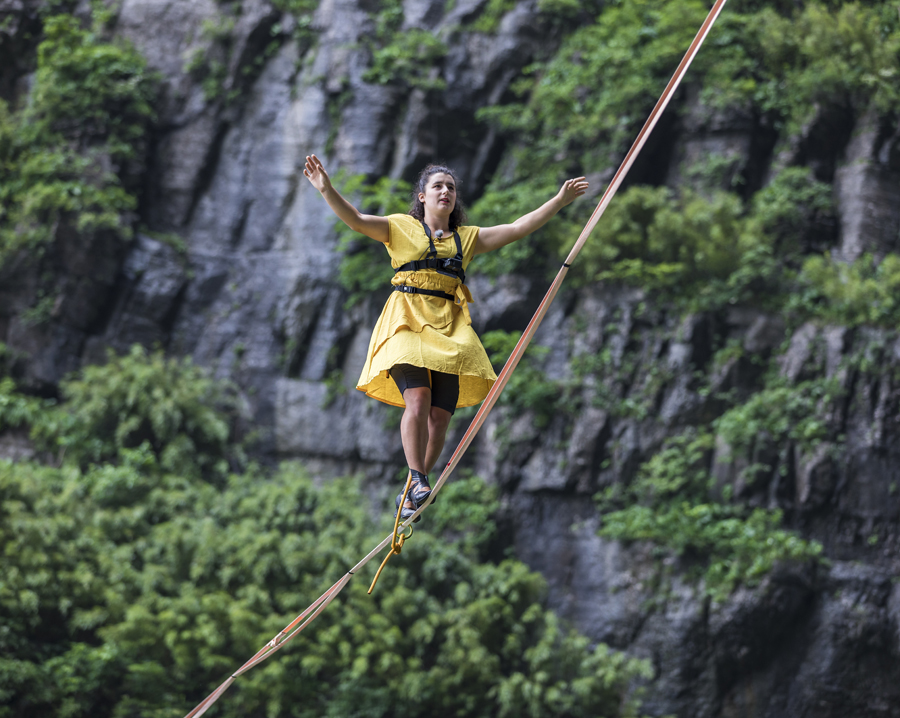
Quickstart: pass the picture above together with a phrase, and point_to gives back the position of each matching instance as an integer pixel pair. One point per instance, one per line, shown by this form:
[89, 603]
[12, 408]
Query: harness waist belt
[430, 292]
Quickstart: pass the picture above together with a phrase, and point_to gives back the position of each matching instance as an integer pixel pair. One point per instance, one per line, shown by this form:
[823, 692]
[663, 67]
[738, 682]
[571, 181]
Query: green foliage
[88, 90]
[403, 57]
[364, 268]
[132, 586]
[528, 389]
[91, 105]
[653, 238]
[582, 107]
[669, 503]
[781, 411]
[578, 110]
[587, 101]
[565, 8]
[785, 209]
[491, 15]
[501, 204]
[706, 253]
[816, 55]
[408, 59]
[129, 591]
[860, 292]
[302, 12]
[207, 63]
[141, 399]
[16, 409]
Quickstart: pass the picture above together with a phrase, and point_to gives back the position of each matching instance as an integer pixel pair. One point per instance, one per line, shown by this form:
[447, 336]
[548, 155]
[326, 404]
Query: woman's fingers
[315, 171]
[575, 187]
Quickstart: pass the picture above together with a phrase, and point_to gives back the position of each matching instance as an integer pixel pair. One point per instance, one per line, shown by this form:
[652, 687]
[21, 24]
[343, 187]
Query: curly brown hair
[417, 209]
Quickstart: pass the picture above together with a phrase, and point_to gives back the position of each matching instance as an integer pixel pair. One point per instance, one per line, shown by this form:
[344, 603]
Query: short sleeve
[469, 253]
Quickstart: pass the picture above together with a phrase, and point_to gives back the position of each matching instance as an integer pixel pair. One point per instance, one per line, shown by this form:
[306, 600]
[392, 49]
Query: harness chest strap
[449, 266]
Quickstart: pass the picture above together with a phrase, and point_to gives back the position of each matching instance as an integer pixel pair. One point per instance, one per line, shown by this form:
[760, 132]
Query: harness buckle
[452, 264]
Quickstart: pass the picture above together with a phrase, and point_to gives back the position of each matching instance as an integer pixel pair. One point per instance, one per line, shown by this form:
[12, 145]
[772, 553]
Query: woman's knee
[439, 419]
[418, 400]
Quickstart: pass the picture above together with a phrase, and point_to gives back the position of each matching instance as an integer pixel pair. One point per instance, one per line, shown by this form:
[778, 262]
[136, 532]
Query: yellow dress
[425, 331]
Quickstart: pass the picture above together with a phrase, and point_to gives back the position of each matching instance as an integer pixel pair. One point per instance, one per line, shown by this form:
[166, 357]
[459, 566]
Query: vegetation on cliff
[67, 155]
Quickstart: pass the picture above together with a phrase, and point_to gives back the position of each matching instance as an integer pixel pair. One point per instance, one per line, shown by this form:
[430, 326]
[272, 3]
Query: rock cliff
[249, 288]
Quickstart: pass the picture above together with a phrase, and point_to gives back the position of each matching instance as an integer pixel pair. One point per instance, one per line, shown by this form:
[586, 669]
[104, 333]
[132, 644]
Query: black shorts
[444, 387]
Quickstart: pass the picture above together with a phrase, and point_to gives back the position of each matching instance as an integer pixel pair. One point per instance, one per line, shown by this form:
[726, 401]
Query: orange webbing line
[320, 603]
[611, 190]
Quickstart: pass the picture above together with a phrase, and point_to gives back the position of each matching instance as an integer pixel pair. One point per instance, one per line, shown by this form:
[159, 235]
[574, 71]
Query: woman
[424, 354]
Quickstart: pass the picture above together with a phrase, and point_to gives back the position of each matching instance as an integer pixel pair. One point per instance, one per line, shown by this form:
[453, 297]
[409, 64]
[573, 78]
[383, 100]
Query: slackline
[319, 605]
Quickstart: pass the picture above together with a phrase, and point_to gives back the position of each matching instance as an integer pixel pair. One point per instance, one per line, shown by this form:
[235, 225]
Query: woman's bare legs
[438, 422]
[423, 430]
[414, 426]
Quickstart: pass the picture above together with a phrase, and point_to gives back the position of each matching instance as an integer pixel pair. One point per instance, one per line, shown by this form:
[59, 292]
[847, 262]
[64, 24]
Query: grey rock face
[867, 190]
[155, 276]
[79, 275]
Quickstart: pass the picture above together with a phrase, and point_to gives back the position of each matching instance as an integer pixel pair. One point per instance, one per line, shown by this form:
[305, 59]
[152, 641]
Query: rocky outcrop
[237, 267]
[867, 190]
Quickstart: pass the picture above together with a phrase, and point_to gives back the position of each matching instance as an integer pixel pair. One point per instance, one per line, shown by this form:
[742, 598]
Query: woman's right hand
[316, 173]
[378, 228]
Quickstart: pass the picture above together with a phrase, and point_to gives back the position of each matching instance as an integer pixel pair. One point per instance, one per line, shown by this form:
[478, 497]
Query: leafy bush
[408, 60]
[403, 57]
[128, 591]
[669, 504]
[141, 399]
[587, 101]
[503, 203]
[17, 410]
[818, 55]
[585, 104]
[63, 155]
[781, 411]
[132, 586]
[705, 253]
[653, 238]
[861, 292]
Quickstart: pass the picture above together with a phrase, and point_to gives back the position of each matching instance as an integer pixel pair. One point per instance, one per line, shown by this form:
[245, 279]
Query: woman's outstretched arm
[378, 228]
[491, 238]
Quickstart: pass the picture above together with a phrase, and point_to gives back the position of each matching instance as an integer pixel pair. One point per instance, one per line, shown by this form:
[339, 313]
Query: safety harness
[449, 266]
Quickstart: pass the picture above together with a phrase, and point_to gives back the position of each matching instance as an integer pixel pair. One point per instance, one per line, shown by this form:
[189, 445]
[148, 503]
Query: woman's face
[440, 194]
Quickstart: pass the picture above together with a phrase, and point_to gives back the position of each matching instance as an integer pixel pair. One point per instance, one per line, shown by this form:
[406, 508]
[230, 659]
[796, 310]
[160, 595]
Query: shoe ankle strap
[419, 476]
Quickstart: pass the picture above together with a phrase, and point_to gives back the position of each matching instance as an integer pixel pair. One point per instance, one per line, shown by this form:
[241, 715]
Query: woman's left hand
[491, 238]
[571, 189]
